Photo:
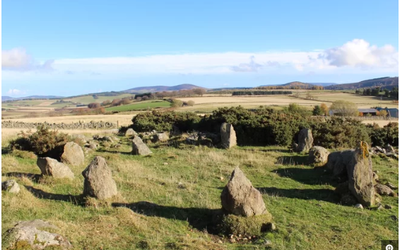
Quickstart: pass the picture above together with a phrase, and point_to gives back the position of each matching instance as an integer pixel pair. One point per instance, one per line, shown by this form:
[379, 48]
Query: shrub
[176, 103]
[344, 108]
[41, 142]
[94, 105]
[190, 103]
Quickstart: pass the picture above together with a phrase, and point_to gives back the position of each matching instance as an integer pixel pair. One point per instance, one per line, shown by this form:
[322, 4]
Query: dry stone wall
[75, 125]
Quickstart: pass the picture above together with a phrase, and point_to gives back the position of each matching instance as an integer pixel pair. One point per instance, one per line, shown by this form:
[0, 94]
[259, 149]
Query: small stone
[165, 163]
[388, 206]
[232, 240]
[222, 178]
[380, 207]
[359, 206]
[220, 241]
[181, 186]
[268, 227]
[10, 186]
[267, 243]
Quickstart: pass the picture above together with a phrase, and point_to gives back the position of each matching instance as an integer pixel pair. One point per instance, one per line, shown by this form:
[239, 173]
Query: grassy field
[89, 98]
[207, 103]
[147, 105]
[182, 188]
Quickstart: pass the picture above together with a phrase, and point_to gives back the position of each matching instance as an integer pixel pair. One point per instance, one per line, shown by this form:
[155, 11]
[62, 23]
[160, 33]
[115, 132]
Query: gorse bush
[41, 142]
[389, 134]
[266, 126]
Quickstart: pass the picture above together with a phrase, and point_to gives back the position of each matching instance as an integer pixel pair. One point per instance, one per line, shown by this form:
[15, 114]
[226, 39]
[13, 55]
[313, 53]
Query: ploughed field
[166, 200]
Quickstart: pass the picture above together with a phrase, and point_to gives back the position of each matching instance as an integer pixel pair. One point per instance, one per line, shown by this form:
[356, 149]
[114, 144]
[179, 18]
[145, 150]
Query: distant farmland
[140, 106]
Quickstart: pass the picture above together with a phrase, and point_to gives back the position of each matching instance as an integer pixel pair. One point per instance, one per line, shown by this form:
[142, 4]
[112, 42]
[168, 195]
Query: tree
[317, 110]
[324, 108]
[105, 103]
[116, 102]
[94, 105]
[344, 108]
[199, 91]
[177, 103]
[383, 113]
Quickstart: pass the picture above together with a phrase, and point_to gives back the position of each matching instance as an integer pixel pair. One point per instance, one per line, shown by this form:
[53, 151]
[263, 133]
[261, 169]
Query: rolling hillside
[384, 82]
[161, 88]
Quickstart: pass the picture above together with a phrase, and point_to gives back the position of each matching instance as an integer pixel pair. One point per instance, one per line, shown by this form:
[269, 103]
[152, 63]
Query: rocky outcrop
[31, 234]
[139, 148]
[239, 197]
[228, 136]
[52, 167]
[98, 180]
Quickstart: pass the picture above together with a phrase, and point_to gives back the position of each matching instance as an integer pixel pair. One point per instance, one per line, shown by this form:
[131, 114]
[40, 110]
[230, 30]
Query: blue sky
[76, 47]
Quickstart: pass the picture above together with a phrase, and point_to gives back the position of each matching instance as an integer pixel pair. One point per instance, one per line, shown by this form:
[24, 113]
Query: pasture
[167, 200]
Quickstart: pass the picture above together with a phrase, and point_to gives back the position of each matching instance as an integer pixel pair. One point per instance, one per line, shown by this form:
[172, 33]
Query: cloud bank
[353, 56]
[17, 59]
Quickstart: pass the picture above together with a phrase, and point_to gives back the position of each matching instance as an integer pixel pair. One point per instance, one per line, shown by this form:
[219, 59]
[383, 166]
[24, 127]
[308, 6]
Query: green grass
[89, 98]
[152, 212]
[140, 106]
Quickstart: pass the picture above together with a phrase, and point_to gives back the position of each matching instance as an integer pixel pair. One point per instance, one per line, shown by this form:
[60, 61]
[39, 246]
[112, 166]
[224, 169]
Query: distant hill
[384, 82]
[294, 85]
[148, 89]
[9, 98]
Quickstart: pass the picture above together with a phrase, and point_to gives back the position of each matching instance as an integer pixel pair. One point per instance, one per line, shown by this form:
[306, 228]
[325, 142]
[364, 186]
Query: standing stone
[318, 155]
[98, 180]
[73, 154]
[31, 232]
[239, 197]
[162, 137]
[228, 136]
[338, 161]
[130, 132]
[139, 148]
[52, 167]
[305, 141]
[359, 171]
[10, 186]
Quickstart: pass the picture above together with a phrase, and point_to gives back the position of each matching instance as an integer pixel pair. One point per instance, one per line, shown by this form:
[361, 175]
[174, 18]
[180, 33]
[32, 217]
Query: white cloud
[14, 92]
[359, 53]
[18, 59]
[247, 67]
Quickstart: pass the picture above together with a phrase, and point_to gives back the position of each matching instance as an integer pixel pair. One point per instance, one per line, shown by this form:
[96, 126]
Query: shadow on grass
[33, 177]
[304, 194]
[293, 160]
[75, 199]
[113, 152]
[202, 219]
[310, 176]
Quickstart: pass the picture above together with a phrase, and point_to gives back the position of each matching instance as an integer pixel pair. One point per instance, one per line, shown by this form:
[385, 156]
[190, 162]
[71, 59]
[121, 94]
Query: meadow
[167, 200]
[146, 105]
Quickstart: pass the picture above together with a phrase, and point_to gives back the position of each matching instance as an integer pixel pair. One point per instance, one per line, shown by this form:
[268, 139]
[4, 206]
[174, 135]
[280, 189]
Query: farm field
[140, 106]
[167, 200]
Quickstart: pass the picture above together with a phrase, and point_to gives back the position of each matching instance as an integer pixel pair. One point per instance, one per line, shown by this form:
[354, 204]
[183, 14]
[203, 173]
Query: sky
[67, 48]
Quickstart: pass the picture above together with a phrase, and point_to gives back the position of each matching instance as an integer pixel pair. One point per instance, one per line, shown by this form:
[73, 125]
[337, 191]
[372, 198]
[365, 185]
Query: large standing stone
[98, 180]
[73, 154]
[52, 167]
[139, 148]
[338, 161]
[30, 234]
[10, 186]
[318, 155]
[228, 135]
[359, 171]
[306, 140]
[239, 197]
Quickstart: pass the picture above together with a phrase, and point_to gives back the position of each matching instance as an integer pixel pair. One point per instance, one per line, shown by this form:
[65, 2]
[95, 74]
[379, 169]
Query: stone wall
[75, 125]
